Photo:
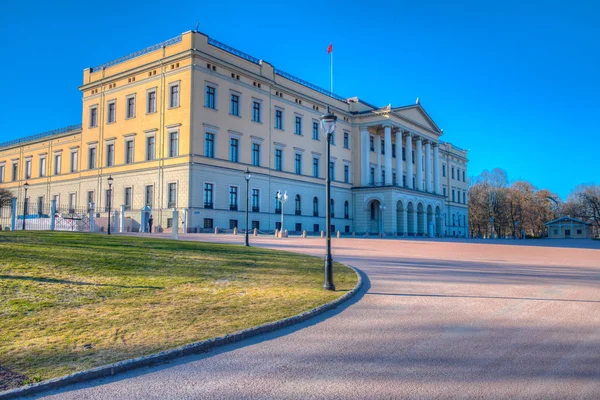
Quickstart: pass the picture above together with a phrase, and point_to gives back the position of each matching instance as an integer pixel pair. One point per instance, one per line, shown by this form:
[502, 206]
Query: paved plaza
[435, 319]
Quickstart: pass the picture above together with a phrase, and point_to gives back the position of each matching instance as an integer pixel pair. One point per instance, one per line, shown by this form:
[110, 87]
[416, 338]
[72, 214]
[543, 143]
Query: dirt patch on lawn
[9, 379]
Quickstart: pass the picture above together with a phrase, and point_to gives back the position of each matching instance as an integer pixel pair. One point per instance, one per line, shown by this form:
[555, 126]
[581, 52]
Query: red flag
[330, 48]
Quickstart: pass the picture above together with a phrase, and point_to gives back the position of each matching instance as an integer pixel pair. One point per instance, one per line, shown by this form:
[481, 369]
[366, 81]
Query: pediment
[417, 114]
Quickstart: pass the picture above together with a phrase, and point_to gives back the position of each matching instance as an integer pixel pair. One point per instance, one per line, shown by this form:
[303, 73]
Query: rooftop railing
[310, 85]
[233, 51]
[137, 53]
[39, 136]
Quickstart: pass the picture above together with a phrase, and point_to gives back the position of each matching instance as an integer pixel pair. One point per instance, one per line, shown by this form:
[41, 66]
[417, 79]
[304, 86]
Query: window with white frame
[74, 160]
[130, 105]
[57, 163]
[256, 154]
[234, 147]
[332, 170]
[298, 125]
[208, 195]
[209, 145]
[315, 131]
[1, 173]
[129, 151]
[298, 163]
[278, 118]
[15, 171]
[346, 173]
[256, 111]
[255, 200]
[151, 101]
[42, 166]
[172, 195]
[110, 154]
[234, 104]
[111, 111]
[173, 95]
[173, 144]
[127, 197]
[150, 148]
[210, 99]
[92, 157]
[371, 143]
[149, 196]
[233, 198]
[28, 169]
[93, 116]
[72, 202]
[315, 168]
[278, 159]
[346, 140]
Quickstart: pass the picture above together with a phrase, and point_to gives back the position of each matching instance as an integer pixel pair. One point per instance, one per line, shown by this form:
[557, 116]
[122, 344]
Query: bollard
[338, 234]
[216, 230]
[276, 233]
[353, 234]
[304, 233]
[175, 228]
[235, 230]
[322, 234]
[255, 231]
[122, 220]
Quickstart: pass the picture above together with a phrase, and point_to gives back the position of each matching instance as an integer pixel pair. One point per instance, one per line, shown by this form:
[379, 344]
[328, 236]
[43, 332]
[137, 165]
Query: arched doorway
[410, 220]
[420, 220]
[438, 222]
[374, 217]
[430, 224]
[400, 218]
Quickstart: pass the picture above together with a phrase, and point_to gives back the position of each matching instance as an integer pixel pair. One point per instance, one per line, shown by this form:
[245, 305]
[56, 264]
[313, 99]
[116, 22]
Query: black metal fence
[41, 217]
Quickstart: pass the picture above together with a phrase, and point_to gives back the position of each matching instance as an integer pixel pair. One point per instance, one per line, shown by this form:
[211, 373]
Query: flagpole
[331, 63]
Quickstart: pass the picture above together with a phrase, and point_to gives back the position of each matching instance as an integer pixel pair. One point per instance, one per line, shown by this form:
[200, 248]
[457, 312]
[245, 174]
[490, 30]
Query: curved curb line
[188, 349]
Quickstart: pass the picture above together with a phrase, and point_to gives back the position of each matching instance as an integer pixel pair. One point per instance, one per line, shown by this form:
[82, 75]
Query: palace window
[298, 201]
[210, 97]
[315, 131]
[298, 125]
[298, 163]
[278, 159]
[233, 198]
[255, 200]
[150, 148]
[110, 155]
[149, 196]
[208, 195]
[174, 95]
[234, 108]
[256, 154]
[316, 167]
[315, 207]
[233, 150]
[173, 144]
[92, 157]
[256, 115]
[346, 140]
[346, 173]
[151, 102]
[209, 145]
[129, 152]
[172, 198]
[278, 119]
[130, 107]
[111, 114]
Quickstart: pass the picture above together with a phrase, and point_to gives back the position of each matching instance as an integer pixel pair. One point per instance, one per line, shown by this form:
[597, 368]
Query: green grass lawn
[71, 301]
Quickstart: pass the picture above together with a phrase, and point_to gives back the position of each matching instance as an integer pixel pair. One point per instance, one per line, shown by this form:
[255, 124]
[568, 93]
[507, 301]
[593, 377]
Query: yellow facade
[130, 102]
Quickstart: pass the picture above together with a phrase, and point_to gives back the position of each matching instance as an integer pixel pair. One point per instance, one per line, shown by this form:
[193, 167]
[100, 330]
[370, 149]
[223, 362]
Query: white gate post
[122, 220]
[13, 219]
[53, 215]
[175, 227]
[92, 220]
[185, 220]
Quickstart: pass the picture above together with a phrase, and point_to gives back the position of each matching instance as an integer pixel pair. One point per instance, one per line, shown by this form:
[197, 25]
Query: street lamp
[110, 182]
[328, 128]
[382, 208]
[282, 199]
[26, 186]
[247, 175]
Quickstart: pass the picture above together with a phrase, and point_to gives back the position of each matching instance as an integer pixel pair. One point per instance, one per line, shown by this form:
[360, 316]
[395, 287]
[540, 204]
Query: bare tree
[5, 197]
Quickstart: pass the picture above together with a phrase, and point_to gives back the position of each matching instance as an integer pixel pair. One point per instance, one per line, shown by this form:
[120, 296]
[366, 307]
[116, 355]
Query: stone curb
[188, 349]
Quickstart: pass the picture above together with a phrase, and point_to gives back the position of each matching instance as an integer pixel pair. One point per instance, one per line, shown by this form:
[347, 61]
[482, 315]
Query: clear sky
[515, 82]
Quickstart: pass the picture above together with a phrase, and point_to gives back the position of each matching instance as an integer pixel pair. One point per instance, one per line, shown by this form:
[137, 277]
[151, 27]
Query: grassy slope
[71, 301]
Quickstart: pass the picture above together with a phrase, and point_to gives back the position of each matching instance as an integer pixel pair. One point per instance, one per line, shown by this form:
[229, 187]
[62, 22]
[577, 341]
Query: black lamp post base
[328, 285]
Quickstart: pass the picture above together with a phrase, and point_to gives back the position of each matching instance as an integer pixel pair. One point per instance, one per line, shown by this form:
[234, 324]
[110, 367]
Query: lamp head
[328, 123]
[247, 174]
[110, 180]
[26, 185]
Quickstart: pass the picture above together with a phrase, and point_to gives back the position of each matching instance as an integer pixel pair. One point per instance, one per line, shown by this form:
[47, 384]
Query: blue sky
[515, 82]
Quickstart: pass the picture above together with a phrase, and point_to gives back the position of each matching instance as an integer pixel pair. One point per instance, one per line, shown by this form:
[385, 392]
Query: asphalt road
[435, 319]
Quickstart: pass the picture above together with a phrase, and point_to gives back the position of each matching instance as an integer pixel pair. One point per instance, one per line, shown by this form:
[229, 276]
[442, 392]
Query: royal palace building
[177, 124]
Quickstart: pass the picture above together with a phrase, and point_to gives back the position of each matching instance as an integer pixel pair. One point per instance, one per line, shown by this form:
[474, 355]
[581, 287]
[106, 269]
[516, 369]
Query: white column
[399, 158]
[419, 155]
[436, 168]
[409, 163]
[428, 166]
[364, 149]
[387, 129]
[378, 151]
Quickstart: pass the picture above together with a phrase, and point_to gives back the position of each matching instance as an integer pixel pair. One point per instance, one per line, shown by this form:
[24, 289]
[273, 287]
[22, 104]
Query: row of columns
[431, 167]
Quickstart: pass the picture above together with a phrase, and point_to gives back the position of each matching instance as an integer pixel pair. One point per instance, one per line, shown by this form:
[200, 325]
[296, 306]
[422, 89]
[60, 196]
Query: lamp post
[110, 182]
[382, 208]
[328, 128]
[282, 199]
[26, 186]
[247, 175]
